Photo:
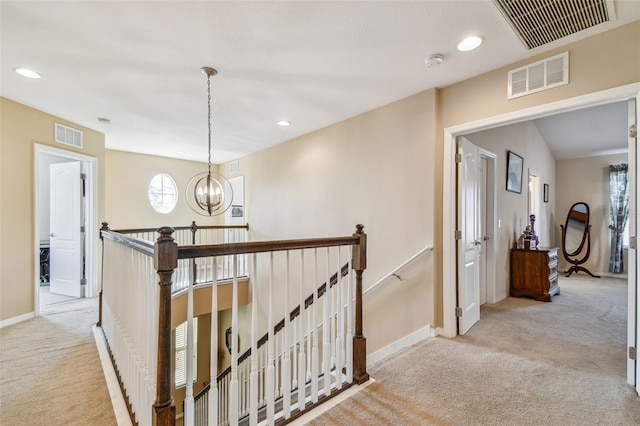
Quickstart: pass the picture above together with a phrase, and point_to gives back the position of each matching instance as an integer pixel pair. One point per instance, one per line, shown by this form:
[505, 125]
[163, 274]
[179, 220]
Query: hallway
[524, 363]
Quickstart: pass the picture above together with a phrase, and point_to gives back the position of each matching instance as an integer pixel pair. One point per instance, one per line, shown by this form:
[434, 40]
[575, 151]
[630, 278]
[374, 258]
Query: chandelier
[209, 193]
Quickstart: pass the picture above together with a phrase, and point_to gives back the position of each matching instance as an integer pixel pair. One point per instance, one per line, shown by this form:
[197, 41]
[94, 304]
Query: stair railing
[301, 364]
[202, 271]
[135, 312]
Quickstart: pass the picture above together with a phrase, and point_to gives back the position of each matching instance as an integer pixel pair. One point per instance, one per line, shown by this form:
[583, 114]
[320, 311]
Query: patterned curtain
[618, 212]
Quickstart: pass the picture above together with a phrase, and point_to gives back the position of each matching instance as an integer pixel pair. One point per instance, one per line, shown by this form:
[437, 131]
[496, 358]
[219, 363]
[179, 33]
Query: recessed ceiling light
[283, 123]
[470, 43]
[27, 73]
[104, 120]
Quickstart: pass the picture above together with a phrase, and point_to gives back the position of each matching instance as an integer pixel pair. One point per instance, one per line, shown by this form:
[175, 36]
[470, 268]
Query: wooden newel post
[105, 227]
[165, 260]
[359, 263]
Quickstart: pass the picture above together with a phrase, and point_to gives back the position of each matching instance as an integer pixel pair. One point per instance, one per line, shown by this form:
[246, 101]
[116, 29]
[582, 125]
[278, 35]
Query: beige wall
[525, 140]
[128, 178]
[21, 128]
[384, 169]
[587, 180]
[485, 96]
[375, 169]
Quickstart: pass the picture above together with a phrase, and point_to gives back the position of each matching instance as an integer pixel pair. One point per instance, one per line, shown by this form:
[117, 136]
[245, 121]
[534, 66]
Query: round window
[163, 193]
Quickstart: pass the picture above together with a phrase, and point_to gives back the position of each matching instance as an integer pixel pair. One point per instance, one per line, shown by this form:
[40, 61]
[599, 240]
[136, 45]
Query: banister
[188, 252]
[182, 228]
[143, 246]
[396, 269]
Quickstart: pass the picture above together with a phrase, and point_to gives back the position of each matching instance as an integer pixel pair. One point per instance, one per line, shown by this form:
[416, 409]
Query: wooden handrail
[183, 228]
[189, 252]
[143, 246]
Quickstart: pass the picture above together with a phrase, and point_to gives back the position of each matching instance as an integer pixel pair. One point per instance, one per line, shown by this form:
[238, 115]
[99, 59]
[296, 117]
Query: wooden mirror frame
[573, 257]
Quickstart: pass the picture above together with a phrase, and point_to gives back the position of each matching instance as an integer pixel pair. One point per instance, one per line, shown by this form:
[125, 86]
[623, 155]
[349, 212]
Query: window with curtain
[618, 214]
[181, 353]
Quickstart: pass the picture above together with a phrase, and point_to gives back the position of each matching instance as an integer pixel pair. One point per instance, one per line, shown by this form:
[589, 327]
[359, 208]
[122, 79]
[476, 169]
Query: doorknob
[486, 238]
[51, 235]
[477, 242]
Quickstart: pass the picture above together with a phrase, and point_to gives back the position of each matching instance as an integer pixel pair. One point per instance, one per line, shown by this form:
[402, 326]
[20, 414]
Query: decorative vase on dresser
[534, 273]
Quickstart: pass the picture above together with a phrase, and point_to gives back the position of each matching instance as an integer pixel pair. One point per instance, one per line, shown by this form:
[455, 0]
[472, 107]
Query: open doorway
[629, 92]
[65, 267]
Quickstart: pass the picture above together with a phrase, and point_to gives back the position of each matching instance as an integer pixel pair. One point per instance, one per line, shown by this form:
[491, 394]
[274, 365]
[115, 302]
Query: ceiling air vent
[68, 136]
[538, 76]
[543, 21]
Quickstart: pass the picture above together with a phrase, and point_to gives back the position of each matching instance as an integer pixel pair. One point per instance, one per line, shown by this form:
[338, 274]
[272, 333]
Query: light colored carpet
[524, 363]
[50, 372]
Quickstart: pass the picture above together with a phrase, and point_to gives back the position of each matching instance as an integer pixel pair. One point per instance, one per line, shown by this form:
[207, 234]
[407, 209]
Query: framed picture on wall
[545, 193]
[514, 172]
[237, 211]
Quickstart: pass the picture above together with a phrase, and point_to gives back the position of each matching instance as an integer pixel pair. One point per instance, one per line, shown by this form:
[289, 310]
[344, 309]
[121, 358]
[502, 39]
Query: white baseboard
[404, 342]
[120, 409]
[15, 320]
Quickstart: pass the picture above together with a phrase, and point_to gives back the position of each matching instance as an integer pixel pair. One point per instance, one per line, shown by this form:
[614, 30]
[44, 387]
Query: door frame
[491, 209]
[91, 242]
[449, 328]
[449, 194]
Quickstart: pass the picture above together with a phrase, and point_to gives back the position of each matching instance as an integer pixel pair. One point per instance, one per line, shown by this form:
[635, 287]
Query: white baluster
[314, 331]
[213, 351]
[326, 332]
[340, 325]
[253, 404]
[286, 366]
[233, 386]
[301, 329]
[349, 337]
[269, 383]
[188, 400]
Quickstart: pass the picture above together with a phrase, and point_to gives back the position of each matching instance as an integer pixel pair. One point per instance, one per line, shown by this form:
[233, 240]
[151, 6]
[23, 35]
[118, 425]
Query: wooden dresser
[534, 273]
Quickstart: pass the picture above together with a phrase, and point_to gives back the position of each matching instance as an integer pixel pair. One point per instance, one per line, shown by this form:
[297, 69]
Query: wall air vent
[538, 76]
[543, 21]
[235, 166]
[68, 136]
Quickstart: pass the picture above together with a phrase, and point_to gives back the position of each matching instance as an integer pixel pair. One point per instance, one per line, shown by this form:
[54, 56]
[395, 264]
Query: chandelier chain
[209, 117]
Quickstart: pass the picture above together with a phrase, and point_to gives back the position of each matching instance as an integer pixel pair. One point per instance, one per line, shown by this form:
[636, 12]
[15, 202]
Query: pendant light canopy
[209, 193]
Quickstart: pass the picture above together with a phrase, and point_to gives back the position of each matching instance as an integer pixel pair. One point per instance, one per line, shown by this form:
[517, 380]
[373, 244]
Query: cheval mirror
[576, 238]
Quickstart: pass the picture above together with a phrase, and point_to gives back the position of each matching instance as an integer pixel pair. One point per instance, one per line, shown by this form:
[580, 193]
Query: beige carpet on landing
[50, 372]
[524, 363]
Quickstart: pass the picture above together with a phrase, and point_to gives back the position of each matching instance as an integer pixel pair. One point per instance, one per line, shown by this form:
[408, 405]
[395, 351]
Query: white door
[633, 301]
[482, 209]
[65, 272]
[469, 237]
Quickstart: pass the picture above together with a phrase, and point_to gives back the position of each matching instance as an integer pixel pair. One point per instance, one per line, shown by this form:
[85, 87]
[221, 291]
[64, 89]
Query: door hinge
[632, 353]
[458, 311]
[458, 235]
[83, 229]
[633, 130]
[458, 158]
[83, 177]
[633, 242]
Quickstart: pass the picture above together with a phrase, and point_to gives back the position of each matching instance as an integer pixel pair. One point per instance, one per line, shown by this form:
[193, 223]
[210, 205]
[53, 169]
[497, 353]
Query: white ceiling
[138, 64]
